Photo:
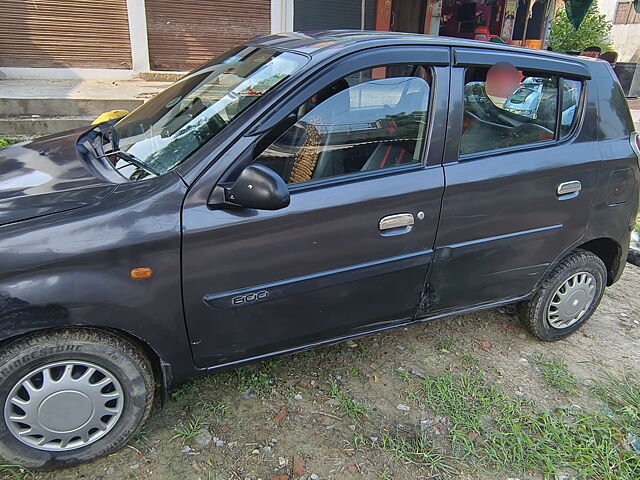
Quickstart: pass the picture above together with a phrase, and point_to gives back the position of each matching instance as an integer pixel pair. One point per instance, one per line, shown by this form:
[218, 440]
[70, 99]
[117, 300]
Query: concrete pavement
[37, 107]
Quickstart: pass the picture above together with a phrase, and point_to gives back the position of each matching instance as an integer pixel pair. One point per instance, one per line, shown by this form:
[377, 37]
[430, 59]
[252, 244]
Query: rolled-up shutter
[183, 34]
[64, 33]
[333, 14]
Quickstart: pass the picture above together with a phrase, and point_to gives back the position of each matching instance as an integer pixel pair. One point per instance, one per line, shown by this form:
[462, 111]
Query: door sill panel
[402, 322]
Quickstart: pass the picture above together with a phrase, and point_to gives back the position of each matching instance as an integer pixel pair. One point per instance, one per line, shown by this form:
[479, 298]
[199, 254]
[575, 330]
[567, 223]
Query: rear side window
[370, 120]
[505, 108]
[570, 91]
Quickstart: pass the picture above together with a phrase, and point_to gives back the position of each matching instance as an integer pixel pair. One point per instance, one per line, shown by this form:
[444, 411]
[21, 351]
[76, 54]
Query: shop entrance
[408, 16]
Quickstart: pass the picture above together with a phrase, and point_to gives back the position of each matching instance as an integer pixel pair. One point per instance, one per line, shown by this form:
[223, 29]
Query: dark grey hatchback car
[297, 190]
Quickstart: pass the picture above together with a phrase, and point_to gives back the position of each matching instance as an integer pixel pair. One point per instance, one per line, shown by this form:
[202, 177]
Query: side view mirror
[257, 187]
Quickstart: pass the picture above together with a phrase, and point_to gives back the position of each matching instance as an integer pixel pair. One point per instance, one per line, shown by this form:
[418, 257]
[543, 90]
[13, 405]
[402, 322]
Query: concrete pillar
[138, 35]
[281, 16]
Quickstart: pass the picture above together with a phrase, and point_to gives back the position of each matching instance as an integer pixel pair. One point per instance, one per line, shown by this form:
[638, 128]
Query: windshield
[163, 132]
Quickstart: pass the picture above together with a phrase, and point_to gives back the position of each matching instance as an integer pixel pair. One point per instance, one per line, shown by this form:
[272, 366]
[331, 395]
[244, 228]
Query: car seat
[314, 159]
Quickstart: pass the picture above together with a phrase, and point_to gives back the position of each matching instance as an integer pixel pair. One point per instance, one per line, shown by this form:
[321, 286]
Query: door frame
[228, 165]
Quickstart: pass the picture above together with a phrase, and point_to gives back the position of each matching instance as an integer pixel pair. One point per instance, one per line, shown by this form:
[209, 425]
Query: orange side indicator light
[141, 273]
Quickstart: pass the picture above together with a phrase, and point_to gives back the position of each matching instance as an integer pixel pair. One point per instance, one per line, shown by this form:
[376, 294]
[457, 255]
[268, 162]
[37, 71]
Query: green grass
[5, 142]
[611, 295]
[621, 396]
[445, 345]
[417, 451]
[469, 360]
[191, 429]
[348, 406]
[260, 377]
[556, 374]
[217, 408]
[514, 436]
[14, 472]
[405, 375]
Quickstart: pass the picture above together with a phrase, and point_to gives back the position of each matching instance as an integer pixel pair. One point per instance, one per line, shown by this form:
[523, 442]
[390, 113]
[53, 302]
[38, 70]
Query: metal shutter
[64, 33]
[311, 15]
[185, 33]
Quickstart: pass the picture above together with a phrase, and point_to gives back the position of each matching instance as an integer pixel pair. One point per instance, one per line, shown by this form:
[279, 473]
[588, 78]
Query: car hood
[46, 176]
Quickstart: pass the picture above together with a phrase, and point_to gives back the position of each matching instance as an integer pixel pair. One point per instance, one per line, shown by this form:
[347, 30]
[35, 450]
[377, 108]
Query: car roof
[328, 43]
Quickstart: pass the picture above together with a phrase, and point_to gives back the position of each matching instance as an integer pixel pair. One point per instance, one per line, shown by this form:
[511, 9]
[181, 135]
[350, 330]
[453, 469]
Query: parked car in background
[526, 100]
[291, 193]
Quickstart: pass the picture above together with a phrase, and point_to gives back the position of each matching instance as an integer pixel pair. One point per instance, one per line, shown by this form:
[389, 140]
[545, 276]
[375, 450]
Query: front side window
[163, 132]
[505, 107]
[372, 119]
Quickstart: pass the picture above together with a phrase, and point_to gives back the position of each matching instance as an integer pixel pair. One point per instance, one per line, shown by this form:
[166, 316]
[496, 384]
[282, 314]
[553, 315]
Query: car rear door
[519, 190]
[351, 251]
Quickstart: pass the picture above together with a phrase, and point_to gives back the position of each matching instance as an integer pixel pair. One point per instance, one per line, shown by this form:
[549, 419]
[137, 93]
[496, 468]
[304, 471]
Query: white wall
[626, 38]
[281, 16]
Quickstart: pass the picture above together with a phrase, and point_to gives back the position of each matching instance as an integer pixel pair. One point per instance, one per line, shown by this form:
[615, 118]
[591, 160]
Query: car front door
[521, 170]
[360, 149]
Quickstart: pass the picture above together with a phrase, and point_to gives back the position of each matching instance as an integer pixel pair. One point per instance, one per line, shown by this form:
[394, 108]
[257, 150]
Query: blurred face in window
[503, 79]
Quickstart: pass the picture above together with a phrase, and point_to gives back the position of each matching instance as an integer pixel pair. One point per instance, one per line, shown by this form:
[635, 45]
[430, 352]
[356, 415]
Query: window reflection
[370, 120]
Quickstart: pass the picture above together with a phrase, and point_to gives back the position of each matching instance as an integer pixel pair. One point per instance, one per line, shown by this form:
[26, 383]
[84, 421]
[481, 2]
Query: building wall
[626, 38]
[90, 44]
[183, 34]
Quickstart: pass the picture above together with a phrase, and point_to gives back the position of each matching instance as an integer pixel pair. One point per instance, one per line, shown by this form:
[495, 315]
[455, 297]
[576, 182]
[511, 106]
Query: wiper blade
[134, 161]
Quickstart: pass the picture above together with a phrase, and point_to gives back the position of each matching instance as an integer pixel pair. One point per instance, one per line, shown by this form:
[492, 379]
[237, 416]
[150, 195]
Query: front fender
[73, 269]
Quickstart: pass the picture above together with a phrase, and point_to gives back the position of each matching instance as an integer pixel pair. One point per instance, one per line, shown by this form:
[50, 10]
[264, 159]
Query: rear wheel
[567, 298]
[70, 396]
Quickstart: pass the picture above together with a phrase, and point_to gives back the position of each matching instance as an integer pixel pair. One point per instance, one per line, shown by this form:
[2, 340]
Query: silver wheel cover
[571, 300]
[63, 406]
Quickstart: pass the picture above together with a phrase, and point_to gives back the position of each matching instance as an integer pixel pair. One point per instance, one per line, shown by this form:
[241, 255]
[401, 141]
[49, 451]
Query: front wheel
[70, 396]
[567, 298]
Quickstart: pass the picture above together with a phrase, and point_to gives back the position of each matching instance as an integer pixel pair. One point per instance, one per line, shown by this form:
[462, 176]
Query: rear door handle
[397, 223]
[566, 188]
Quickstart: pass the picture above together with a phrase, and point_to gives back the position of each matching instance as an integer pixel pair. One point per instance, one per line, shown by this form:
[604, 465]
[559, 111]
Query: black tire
[118, 356]
[533, 313]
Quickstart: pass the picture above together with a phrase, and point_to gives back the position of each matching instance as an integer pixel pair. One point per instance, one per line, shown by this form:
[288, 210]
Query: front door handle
[566, 188]
[399, 222]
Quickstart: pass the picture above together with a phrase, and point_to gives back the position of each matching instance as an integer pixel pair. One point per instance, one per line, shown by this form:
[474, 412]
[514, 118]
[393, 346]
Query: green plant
[217, 408]
[621, 396]
[445, 345]
[594, 31]
[416, 450]
[14, 471]
[5, 142]
[469, 360]
[349, 406]
[556, 374]
[187, 389]
[191, 429]
[385, 475]
[259, 377]
[405, 375]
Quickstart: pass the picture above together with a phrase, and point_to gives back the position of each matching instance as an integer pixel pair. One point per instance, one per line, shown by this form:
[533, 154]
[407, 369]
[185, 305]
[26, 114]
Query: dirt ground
[322, 413]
